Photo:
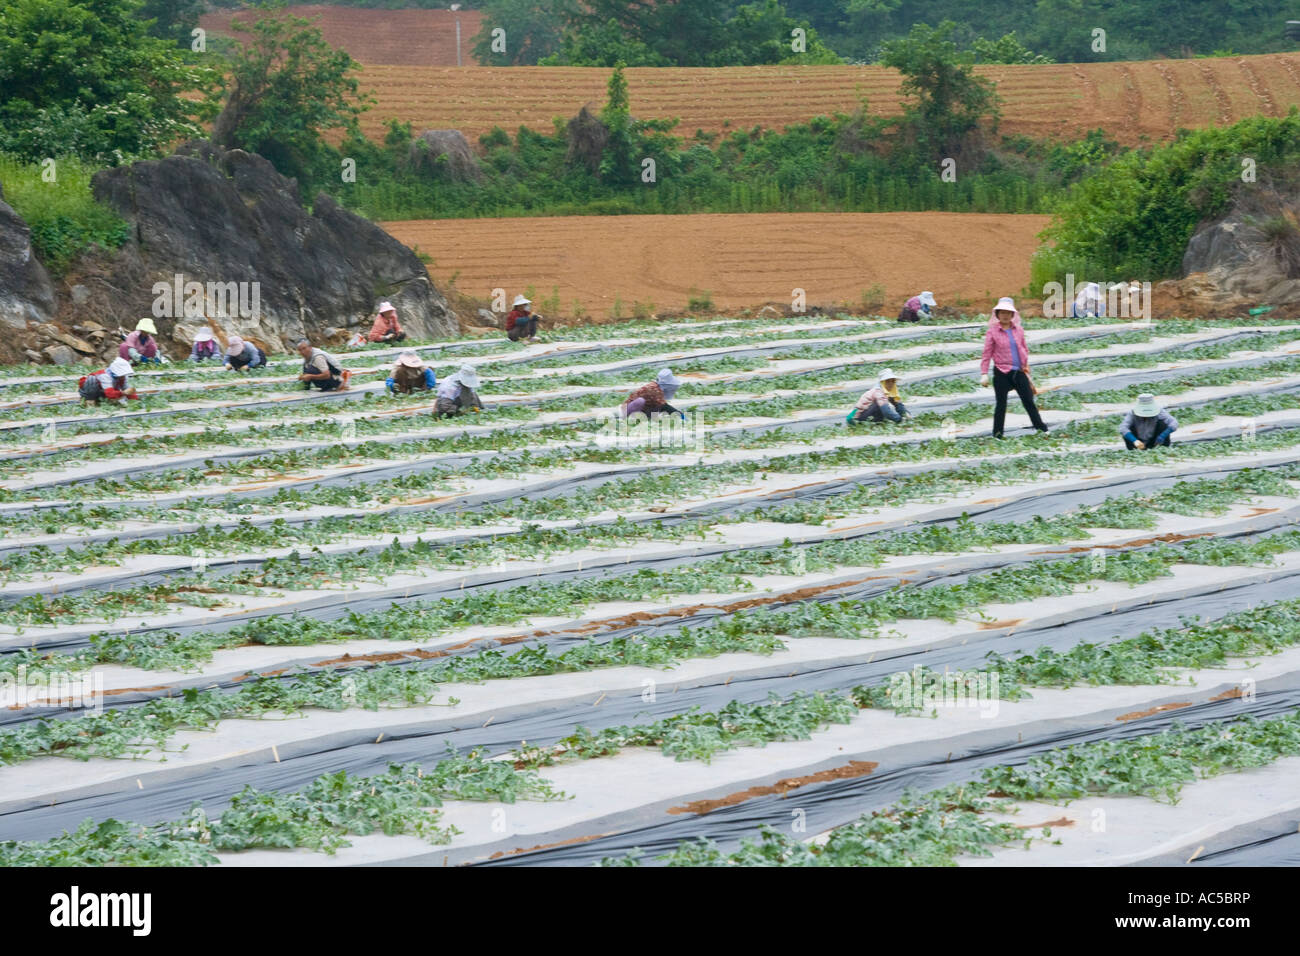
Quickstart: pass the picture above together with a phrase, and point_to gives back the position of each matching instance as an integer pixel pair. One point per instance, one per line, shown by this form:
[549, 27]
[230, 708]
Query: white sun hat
[119, 368]
[666, 377]
[468, 376]
[1007, 303]
[146, 325]
[520, 300]
[887, 374]
[386, 307]
[1146, 406]
[204, 334]
[927, 298]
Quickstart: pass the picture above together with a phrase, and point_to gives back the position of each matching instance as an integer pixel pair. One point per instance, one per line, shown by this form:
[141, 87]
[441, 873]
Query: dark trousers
[1149, 445]
[1003, 383]
[523, 330]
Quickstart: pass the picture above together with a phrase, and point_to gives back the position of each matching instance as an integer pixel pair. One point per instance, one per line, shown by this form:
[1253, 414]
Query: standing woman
[1004, 346]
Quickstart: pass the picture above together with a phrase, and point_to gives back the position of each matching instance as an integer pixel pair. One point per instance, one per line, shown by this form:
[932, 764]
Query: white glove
[984, 381]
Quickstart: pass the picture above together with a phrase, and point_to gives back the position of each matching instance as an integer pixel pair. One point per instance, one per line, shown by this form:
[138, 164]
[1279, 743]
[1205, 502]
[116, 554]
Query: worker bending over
[1147, 425]
[520, 321]
[410, 374]
[112, 383]
[653, 399]
[457, 392]
[917, 308]
[320, 370]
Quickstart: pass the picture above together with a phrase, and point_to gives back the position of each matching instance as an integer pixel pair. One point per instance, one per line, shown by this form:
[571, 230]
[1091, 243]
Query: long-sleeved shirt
[652, 396]
[877, 396]
[111, 386]
[1148, 431]
[384, 326]
[250, 357]
[147, 348]
[998, 350]
[518, 317]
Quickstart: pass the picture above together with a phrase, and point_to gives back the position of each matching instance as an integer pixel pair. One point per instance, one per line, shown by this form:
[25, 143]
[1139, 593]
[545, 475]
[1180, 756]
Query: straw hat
[146, 325]
[119, 368]
[410, 360]
[520, 300]
[1146, 406]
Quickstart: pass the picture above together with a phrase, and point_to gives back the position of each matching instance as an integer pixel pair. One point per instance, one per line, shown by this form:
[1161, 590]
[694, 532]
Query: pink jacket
[997, 349]
[132, 341]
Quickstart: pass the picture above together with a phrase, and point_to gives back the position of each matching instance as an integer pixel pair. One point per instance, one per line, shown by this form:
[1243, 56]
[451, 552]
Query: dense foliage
[1136, 215]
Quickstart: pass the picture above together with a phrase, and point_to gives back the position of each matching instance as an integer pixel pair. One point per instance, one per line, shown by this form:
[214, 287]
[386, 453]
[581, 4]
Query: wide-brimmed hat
[468, 377]
[119, 368]
[666, 377]
[1147, 406]
[927, 298]
[146, 325]
[410, 360]
[520, 300]
[386, 307]
[234, 345]
[887, 374]
[204, 334]
[1005, 304]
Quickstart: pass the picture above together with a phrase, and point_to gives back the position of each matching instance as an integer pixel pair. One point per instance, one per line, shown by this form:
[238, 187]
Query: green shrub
[64, 217]
[1135, 216]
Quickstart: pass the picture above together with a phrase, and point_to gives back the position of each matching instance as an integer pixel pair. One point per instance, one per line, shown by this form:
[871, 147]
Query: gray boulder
[1248, 255]
[261, 265]
[26, 293]
[445, 152]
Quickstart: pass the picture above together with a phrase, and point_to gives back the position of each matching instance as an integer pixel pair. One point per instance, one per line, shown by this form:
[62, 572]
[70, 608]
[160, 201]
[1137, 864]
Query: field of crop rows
[242, 624]
[1133, 102]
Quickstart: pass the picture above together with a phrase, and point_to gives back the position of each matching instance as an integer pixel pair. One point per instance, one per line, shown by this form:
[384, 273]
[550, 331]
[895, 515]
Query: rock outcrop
[219, 238]
[1249, 257]
[445, 153]
[26, 294]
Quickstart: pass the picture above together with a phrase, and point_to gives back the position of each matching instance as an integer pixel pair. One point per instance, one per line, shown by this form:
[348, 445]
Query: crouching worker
[917, 308]
[520, 322]
[653, 399]
[140, 346]
[386, 328]
[205, 347]
[112, 383]
[880, 404]
[411, 375]
[320, 370]
[242, 356]
[457, 392]
[1147, 425]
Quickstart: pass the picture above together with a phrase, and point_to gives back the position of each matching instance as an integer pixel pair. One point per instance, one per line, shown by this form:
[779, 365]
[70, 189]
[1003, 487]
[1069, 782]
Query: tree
[287, 86]
[949, 101]
[84, 78]
[172, 19]
[1007, 49]
[533, 30]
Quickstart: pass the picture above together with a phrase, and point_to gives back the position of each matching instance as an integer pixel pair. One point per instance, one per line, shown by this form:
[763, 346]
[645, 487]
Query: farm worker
[1004, 346]
[386, 327]
[112, 383]
[205, 348]
[520, 322]
[411, 375]
[242, 356]
[653, 399]
[320, 369]
[916, 307]
[141, 346]
[1147, 425]
[457, 392]
[881, 403]
[1089, 303]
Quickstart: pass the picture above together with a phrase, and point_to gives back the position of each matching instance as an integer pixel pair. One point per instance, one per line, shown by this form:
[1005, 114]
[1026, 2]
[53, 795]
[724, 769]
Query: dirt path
[740, 260]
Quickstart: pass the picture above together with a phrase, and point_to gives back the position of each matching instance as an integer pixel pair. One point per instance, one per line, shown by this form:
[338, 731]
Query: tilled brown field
[405, 37]
[740, 260]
